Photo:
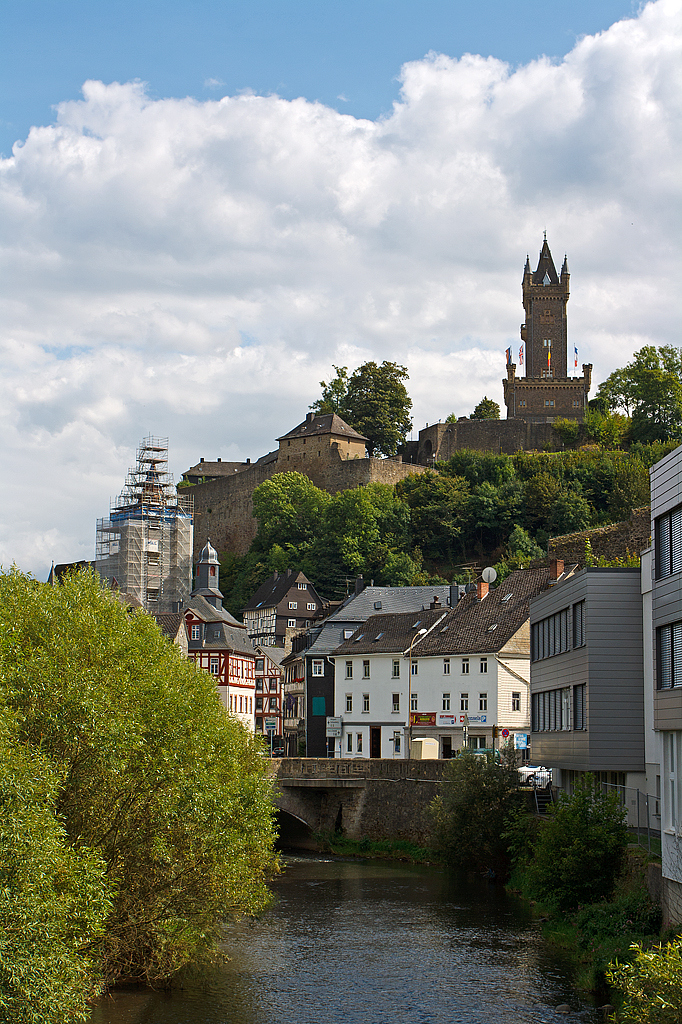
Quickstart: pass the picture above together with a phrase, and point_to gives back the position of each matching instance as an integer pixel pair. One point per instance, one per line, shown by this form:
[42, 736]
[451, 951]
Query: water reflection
[375, 943]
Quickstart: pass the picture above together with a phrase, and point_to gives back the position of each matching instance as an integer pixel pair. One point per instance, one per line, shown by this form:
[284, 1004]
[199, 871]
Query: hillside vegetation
[475, 508]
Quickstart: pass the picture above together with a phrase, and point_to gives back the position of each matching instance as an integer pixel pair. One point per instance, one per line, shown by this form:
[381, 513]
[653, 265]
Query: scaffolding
[144, 546]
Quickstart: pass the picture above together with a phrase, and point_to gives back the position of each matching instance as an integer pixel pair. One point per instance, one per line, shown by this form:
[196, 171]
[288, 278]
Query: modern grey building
[666, 602]
[587, 687]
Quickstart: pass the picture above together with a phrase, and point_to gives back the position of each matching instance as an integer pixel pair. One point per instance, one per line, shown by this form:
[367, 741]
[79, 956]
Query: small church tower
[208, 576]
[546, 391]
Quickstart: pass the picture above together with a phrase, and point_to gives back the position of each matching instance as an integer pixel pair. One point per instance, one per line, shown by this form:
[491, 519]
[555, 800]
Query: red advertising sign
[422, 717]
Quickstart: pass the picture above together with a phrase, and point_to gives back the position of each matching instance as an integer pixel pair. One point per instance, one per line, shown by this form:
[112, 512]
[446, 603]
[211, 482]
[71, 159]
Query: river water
[371, 942]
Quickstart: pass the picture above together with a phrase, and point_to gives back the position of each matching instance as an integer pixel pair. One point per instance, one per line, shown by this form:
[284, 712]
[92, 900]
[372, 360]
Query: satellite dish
[489, 575]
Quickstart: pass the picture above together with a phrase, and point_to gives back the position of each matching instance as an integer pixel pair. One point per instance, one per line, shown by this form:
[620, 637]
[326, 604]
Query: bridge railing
[367, 768]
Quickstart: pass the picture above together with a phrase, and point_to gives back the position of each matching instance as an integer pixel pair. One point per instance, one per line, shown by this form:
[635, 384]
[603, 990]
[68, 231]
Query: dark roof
[325, 423]
[216, 469]
[275, 590]
[170, 624]
[545, 266]
[474, 626]
[265, 460]
[385, 634]
[358, 607]
[220, 636]
[206, 611]
[57, 572]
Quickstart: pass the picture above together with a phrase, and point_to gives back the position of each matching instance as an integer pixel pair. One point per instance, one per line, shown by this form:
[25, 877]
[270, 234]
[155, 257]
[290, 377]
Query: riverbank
[387, 849]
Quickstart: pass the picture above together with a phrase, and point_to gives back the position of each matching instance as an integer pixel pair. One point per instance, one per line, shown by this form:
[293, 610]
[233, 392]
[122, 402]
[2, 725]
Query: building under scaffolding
[144, 546]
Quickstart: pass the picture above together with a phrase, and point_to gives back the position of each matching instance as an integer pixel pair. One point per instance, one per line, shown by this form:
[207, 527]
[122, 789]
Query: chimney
[435, 603]
[248, 462]
[359, 585]
[275, 575]
[289, 572]
[201, 460]
[556, 568]
[220, 460]
[309, 417]
[481, 589]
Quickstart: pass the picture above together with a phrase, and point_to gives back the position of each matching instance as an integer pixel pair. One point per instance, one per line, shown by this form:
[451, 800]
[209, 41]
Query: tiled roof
[274, 590]
[384, 634]
[170, 624]
[331, 635]
[325, 423]
[208, 613]
[485, 626]
[222, 636]
[359, 607]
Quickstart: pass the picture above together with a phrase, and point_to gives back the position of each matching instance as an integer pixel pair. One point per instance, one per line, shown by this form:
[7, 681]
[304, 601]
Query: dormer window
[546, 279]
[196, 632]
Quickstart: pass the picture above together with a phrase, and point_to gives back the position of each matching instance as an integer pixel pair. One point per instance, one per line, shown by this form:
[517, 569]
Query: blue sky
[320, 50]
[181, 257]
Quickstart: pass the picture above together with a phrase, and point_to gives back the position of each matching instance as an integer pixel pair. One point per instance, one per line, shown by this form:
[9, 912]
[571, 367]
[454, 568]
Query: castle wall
[505, 437]
[223, 509]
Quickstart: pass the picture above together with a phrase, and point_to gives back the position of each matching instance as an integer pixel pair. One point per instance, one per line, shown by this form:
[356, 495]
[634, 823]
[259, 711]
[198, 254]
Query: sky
[204, 206]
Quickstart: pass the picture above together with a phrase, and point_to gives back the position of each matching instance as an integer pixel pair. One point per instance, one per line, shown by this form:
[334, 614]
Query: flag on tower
[509, 357]
[549, 353]
[521, 356]
[575, 357]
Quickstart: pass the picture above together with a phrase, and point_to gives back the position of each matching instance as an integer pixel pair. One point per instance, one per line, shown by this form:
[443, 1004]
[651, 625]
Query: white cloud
[194, 268]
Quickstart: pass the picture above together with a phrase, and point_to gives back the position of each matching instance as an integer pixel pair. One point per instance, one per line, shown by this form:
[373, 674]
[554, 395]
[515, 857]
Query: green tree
[468, 816]
[289, 509]
[650, 390]
[439, 510]
[333, 394]
[651, 984]
[374, 401]
[451, 418]
[486, 410]
[580, 850]
[570, 511]
[154, 777]
[568, 431]
[54, 898]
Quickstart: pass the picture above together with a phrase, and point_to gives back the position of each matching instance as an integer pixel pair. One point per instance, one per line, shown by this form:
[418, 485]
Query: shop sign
[473, 719]
[520, 740]
[446, 720]
[422, 717]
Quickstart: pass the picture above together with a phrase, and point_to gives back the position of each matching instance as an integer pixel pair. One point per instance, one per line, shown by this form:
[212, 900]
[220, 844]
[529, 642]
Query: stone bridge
[365, 798]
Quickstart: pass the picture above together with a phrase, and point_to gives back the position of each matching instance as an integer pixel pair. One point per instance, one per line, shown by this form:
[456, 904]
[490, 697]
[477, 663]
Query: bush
[651, 984]
[477, 795]
[580, 850]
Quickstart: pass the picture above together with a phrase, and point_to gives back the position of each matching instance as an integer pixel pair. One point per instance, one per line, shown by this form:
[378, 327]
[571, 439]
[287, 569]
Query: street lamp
[420, 632]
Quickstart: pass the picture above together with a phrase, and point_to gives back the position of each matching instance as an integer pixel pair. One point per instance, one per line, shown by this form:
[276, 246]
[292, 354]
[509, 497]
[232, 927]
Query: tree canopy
[373, 400]
[486, 410]
[147, 803]
[649, 390]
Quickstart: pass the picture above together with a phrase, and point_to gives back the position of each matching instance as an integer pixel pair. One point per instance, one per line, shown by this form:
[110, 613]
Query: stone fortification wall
[223, 508]
[505, 437]
[614, 541]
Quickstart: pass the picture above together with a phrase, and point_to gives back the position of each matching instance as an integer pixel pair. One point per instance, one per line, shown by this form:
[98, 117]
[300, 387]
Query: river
[371, 942]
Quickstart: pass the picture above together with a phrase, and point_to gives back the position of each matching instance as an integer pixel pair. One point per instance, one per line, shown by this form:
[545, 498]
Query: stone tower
[546, 392]
[208, 576]
[545, 296]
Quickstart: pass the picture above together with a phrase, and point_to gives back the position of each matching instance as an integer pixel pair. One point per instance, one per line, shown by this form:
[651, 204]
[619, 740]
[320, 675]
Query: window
[259, 686]
[579, 716]
[273, 684]
[302, 586]
[365, 702]
[349, 702]
[259, 703]
[291, 623]
[349, 742]
[358, 742]
[293, 604]
[464, 702]
[311, 606]
[515, 701]
[415, 668]
[241, 703]
[153, 594]
[446, 666]
[347, 633]
[396, 669]
[318, 668]
[396, 702]
[483, 667]
[551, 710]
[215, 666]
[259, 725]
[349, 670]
[196, 632]
[465, 666]
[477, 742]
[668, 549]
[414, 701]
[579, 624]
[260, 664]
[319, 707]
[446, 702]
[669, 656]
[396, 742]
[483, 702]
[550, 636]
[365, 669]
[672, 744]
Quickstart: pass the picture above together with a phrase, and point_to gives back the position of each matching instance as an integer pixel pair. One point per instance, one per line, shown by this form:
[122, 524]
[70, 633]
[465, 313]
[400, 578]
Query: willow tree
[155, 782]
